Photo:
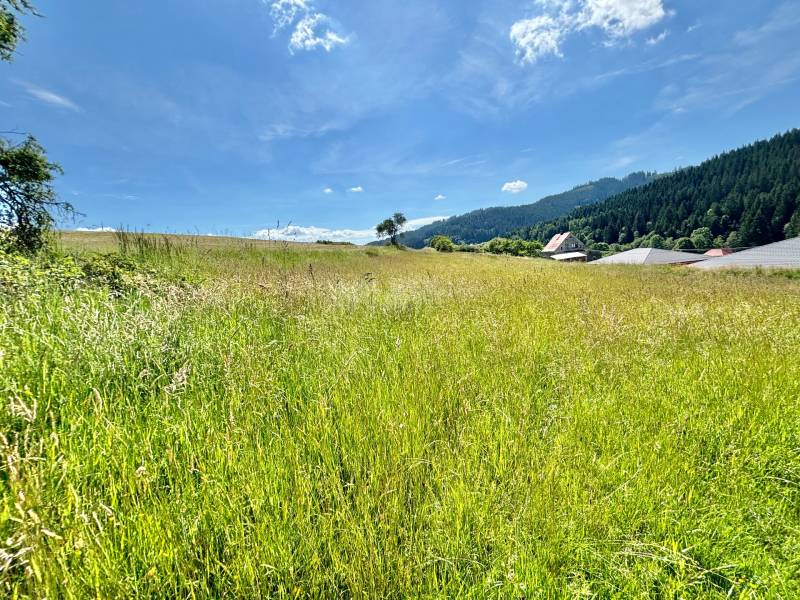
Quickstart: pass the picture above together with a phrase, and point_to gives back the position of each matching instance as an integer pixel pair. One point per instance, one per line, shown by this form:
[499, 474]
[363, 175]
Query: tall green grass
[372, 423]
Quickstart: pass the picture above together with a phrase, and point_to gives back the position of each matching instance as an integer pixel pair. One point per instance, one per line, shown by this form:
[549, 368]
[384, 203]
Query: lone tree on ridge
[391, 228]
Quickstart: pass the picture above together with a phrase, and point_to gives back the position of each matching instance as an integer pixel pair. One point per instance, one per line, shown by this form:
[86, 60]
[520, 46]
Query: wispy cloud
[49, 97]
[785, 19]
[327, 190]
[545, 33]
[312, 233]
[311, 29]
[465, 162]
[357, 190]
[758, 62]
[130, 197]
[623, 162]
[286, 131]
[440, 197]
[655, 40]
[515, 187]
[646, 67]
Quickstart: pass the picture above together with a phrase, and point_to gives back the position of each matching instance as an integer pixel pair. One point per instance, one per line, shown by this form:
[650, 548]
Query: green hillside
[747, 197]
[484, 224]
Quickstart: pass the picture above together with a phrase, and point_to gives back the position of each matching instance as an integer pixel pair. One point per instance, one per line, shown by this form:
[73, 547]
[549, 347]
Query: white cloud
[658, 38]
[327, 190]
[49, 97]
[309, 234]
[441, 197]
[96, 229]
[357, 190]
[544, 34]
[413, 224]
[297, 233]
[311, 28]
[515, 187]
[311, 33]
[620, 18]
[538, 37]
[285, 12]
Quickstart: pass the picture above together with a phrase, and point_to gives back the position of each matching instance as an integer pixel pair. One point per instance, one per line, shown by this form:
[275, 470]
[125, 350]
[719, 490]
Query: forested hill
[747, 197]
[484, 224]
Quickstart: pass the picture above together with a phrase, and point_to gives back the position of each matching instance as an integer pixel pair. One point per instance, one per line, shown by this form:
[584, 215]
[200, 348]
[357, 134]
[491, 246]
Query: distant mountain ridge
[484, 224]
[746, 197]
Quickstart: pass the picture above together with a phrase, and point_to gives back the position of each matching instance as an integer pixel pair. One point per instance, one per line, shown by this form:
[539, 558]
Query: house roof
[785, 254]
[649, 256]
[569, 256]
[557, 240]
[714, 252]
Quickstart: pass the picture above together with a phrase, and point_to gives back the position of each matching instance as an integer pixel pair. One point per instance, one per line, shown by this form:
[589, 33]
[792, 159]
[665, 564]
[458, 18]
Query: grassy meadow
[220, 418]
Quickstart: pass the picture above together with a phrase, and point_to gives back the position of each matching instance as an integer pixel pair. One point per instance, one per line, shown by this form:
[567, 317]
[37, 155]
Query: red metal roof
[719, 252]
[557, 240]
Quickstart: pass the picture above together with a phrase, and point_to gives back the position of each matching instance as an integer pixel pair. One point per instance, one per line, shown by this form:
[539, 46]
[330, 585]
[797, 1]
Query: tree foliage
[391, 228]
[442, 243]
[514, 247]
[702, 238]
[746, 197]
[27, 199]
[11, 31]
[792, 228]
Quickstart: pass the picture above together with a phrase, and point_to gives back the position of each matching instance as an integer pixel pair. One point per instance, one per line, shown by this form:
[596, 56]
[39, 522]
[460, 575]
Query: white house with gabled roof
[563, 243]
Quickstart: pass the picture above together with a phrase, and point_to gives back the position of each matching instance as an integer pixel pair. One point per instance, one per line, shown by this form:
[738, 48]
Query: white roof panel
[649, 256]
[780, 255]
[568, 256]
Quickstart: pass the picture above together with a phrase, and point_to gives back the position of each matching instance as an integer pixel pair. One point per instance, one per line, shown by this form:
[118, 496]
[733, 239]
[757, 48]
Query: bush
[112, 270]
[513, 247]
[20, 273]
[702, 238]
[655, 241]
[442, 243]
[683, 243]
[333, 243]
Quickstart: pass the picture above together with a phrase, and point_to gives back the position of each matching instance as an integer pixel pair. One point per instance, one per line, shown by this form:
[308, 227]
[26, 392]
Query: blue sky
[318, 118]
